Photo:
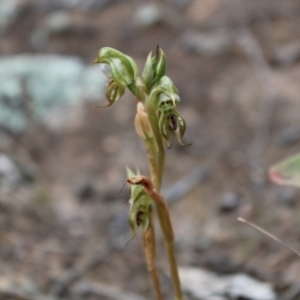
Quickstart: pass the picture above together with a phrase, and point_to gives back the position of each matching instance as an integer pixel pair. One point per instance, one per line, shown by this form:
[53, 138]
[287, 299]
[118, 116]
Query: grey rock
[51, 82]
[203, 243]
[86, 5]
[229, 201]
[9, 10]
[95, 5]
[84, 289]
[288, 136]
[86, 192]
[58, 4]
[206, 285]
[287, 55]
[150, 14]
[211, 43]
[39, 38]
[293, 292]
[10, 174]
[58, 22]
[147, 15]
[286, 195]
[181, 4]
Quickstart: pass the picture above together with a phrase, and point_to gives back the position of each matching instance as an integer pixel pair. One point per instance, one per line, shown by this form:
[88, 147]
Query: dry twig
[273, 237]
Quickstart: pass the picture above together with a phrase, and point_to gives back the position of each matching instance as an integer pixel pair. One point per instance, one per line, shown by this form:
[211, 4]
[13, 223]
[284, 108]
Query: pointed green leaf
[286, 172]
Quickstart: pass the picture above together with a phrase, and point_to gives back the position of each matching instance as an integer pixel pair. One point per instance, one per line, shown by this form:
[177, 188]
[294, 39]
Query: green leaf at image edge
[287, 171]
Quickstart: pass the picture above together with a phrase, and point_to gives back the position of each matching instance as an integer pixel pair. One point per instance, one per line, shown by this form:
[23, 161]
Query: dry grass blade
[273, 237]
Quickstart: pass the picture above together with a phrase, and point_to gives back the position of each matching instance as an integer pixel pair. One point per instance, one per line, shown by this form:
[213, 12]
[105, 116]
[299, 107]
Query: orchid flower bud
[171, 122]
[114, 92]
[140, 207]
[142, 123]
[164, 96]
[123, 69]
[155, 68]
[140, 217]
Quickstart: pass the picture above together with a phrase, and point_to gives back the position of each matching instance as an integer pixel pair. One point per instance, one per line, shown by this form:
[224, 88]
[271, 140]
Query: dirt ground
[240, 99]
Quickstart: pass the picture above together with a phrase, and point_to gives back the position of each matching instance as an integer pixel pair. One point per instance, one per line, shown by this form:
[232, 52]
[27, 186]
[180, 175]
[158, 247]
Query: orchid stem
[149, 244]
[156, 171]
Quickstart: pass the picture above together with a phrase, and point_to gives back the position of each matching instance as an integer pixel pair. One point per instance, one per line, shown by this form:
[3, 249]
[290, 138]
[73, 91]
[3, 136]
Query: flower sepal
[171, 122]
[123, 69]
[164, 96]
[155, 68]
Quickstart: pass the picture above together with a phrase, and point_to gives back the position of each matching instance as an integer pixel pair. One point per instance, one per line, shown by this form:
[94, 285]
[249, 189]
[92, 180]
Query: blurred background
[63, 219]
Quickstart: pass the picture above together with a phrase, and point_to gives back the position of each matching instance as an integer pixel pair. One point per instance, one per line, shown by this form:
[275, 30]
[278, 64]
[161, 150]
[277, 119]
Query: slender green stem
[174, 270]
[149, 235]
[167, 229]
[132, 88]
[156, 157]
[158, 152]
[151, 149]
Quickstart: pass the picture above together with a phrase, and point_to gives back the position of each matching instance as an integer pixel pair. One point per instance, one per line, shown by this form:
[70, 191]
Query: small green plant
[156, 120]
[287, 171]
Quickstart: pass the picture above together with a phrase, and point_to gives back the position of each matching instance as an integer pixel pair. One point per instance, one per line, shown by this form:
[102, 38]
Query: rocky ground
[63, 219]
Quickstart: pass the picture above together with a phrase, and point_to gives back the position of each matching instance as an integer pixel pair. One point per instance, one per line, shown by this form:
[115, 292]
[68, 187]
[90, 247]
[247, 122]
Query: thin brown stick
[273, 237]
